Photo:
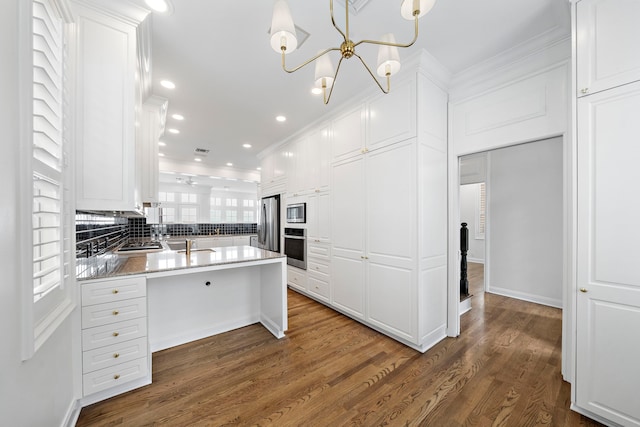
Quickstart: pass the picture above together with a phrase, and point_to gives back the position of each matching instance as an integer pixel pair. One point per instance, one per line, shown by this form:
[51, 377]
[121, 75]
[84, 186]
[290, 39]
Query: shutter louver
[47, 149]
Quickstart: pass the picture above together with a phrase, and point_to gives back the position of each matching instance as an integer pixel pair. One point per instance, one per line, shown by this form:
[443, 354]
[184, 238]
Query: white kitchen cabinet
[392, 117]
[348, 134]
[608, 296]
[241, 240]
[105, 110]
[296, 278]
[348, 236]
[373, 241]
[115, 346]
[298, 180]
[274, 170]
[319, 161]
[319, 217]
[608, 41]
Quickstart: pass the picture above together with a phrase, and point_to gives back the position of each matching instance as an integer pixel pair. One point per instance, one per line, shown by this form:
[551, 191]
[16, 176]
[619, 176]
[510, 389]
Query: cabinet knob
[116, 355]
[116, 312]
[116, 376]
[115, 291]
[115, 334]
[585, 90]
[583, 290]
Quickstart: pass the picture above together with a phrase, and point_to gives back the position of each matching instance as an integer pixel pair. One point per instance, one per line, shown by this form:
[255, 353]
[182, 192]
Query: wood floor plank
[504, 370]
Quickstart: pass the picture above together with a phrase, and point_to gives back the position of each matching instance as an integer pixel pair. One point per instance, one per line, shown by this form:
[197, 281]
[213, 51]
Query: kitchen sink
[196, 250]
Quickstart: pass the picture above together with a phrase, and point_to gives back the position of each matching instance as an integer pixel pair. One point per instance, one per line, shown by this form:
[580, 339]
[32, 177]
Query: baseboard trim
[465, 306]
[551, 302]
[72, 415]
[475, 260]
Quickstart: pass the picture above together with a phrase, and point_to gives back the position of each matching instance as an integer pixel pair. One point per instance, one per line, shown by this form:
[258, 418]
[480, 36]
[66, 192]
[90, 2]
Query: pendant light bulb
[283, 31]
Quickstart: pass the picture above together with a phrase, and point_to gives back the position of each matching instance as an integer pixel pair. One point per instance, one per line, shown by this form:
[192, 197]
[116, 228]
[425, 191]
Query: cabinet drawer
[113, 290]
[105, 357]
[318, 250]
[318, 286]
[113, 333]
[296, 278]
[103, 314]
[115, 375]
[318, 267]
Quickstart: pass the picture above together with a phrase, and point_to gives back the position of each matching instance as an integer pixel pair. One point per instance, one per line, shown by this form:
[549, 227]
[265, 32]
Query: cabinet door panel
[104, 357]
[347, 135]
[391, 304]
[348, 204]
[392, 117]
[391, 204]
[608, 350]
[348, 284]
[608, 42]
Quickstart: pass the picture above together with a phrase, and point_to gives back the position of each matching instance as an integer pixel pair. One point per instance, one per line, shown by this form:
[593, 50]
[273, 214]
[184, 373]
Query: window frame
[40, 318]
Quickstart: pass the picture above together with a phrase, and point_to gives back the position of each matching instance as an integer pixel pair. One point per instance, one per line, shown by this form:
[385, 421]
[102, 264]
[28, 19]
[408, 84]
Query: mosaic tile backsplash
[97, 236]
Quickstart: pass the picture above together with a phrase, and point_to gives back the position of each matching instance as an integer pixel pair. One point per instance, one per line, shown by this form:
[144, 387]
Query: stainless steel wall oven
[295, 247]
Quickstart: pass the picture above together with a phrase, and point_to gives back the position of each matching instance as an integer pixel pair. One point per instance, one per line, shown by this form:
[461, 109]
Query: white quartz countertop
[168, 260]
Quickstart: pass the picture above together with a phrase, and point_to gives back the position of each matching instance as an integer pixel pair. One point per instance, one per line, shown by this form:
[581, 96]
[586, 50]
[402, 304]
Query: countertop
[113, 265]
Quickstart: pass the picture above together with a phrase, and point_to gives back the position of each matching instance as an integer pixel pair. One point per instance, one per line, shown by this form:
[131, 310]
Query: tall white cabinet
[389, 166]
[608, 288]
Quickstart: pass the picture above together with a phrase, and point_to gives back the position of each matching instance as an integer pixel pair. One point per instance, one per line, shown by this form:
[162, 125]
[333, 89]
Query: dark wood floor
[504, 370]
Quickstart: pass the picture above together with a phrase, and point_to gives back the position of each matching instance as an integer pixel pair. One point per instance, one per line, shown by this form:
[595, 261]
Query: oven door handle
[286, 236]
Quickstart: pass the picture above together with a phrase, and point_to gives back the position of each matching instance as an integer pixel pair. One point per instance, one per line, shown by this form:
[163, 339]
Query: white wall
[525, 221]
[469, 205]
[38, 392]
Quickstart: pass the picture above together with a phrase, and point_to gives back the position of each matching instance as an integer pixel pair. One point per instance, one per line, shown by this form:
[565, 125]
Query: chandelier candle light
[284, 41]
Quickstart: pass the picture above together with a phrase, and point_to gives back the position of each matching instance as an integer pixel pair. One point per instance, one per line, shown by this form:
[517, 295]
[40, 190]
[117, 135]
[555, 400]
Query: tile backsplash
[97, 235]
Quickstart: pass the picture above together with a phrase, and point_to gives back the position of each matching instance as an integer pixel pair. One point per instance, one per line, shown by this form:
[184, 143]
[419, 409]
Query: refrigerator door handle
[263, 231]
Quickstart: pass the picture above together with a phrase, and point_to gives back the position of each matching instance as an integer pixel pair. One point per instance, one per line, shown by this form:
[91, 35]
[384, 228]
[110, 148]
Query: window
[247, 216]
[481, 211]
[216, 201]
[189, 198]
[232, 202]
[164, 196]
[247, 203]
[231, 216]
[168, 215]
[216, 215]
[47, 299]
[189, 214]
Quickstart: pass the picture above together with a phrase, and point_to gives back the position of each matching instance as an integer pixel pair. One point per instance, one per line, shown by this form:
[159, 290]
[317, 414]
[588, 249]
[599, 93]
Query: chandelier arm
[333, 21]
[415, 37]
[335, 76]
[373, 76]
[306, 62]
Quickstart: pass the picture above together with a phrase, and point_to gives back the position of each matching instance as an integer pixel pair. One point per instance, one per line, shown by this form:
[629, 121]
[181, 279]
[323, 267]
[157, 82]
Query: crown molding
[122, 10]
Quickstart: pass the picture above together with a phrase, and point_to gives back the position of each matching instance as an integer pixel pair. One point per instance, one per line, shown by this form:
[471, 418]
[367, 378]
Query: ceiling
[230, 85]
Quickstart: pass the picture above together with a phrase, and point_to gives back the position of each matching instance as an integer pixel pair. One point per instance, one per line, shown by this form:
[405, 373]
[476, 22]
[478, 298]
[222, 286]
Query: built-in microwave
[296, 213]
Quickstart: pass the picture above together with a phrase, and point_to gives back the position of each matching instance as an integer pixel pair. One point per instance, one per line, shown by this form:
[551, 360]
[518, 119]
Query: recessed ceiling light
[158, 5]
[174, 131]
[281, 118]
[215, 177]
[187, 174]
[161, 154]
[178, 116]
[231, 179]
[229, 164]
[246, 145]
[316, 91]
[162, 144]
[259, 168]
[198, 159]
[168, 84]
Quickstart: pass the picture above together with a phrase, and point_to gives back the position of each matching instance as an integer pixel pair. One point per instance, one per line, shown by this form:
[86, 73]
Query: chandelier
[284, 41]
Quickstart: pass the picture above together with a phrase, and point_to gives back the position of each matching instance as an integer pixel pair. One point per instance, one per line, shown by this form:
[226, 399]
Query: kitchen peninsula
[148, 302]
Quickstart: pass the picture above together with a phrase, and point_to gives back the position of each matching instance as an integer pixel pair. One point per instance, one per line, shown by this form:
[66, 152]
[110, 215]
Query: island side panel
[273, 297]
[182, 308]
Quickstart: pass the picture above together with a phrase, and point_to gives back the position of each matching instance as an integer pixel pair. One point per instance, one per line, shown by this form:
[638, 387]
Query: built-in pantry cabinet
[374, 180]
[106, 106]
[608, 296]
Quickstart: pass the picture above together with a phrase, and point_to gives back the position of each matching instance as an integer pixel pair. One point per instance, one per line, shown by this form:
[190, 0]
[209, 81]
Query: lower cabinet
[115, 346]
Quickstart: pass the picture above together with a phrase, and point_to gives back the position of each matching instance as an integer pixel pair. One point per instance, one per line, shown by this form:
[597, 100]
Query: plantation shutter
[47, 161]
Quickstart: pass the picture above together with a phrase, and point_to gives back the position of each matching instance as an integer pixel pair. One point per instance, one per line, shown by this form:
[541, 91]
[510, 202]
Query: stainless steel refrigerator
[269, 224]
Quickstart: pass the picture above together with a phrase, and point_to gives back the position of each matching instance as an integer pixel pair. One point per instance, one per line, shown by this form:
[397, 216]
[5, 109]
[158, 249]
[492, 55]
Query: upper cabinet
[383, 120]
[607, 38]
[106, 106]
[152, 121]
